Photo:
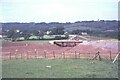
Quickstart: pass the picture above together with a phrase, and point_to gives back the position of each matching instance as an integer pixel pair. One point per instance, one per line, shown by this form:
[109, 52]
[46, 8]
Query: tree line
[16, 34]
[94, 28]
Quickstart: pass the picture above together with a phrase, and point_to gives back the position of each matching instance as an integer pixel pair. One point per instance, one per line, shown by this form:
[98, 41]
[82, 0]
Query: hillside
[100, 28]
[83, 25]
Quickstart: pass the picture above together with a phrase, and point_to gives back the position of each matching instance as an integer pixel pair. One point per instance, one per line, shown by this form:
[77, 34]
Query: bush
[59, 37]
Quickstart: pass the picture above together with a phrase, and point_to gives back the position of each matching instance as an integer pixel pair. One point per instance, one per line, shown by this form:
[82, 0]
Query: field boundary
[36, 54]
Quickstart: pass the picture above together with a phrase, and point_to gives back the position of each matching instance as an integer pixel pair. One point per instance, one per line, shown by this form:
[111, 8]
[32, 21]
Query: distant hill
[101, 27]
[93, 25]
[83, 25]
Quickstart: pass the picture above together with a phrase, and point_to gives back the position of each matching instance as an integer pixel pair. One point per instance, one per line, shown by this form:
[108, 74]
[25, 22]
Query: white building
[48, 32]
[84, 33]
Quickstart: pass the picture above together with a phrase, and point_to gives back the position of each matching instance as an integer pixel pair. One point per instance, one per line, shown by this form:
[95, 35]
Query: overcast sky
[57, 10]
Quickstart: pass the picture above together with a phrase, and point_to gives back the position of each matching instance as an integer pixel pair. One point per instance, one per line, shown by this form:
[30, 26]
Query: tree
[13, 34]
[57, 31]
[41, 34]
[38, 33]
[66, 34]
[76, 31]
[26, 34]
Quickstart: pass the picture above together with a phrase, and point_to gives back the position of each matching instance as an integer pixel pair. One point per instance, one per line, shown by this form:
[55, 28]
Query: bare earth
[33, 50]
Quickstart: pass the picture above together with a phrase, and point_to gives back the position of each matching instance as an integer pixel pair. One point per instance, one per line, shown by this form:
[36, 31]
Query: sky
[57, 10]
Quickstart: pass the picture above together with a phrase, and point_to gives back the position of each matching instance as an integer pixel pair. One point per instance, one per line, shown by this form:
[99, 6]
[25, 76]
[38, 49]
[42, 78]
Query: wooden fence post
[45, 54]
[110, 56]
[97, 55]
[21, 55]
[75, 55]
[16, 53]
[10, 55]
[35, 53]
[27, 55]
[89, 54]
[61, 55]
[79, 54]
[54, 54]
[64, 55]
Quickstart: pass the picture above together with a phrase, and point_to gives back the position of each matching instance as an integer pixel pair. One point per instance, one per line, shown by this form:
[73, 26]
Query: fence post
[110, 56]
[35, 53]
[97, 55]
[27, 55]
[89, 54]
[10, 55]
[64, 55]
[16, 53]
[21, 55]
[54, 54]
[79, 54]
[45, 54]
[75, 55]
[61, 54]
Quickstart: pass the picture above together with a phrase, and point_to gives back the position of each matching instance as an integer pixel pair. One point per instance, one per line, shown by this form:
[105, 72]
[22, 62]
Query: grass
[38, 42]
[49, 36]
[46, 36]
[60, 68]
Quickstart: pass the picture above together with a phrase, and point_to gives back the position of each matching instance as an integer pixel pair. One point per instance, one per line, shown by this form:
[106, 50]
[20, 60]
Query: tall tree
[58, 31]
[38, 33]
[13, 34]
[41, 34]
[26, 34]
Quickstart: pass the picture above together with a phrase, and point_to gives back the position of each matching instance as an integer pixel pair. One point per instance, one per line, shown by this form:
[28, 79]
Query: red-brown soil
[33, 50]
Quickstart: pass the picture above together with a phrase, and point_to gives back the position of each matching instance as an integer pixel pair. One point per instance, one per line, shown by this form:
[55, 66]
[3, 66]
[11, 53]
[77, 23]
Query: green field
[45, 36]
[60, 68]
[38, 42]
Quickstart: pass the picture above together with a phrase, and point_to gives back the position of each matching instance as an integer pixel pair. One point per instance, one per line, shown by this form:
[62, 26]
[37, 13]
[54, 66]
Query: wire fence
[36, 54]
